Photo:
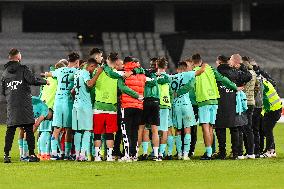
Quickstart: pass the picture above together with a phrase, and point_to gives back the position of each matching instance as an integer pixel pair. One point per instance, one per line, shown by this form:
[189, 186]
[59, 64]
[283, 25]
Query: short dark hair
[72, 57]
[128, 59]
[154, 59]
[13, 52]
[92, 61]
[153, 62]
[95, 51]
[113, 56]
[196, 58]
[81, 62]
[182, 64]
[245, 58]
[162, 62]
[223, 59]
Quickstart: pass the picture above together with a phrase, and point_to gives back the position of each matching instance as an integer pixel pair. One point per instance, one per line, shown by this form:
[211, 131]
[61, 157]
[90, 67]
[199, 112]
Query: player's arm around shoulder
[112, 73]
[92, 82]
[125, 89]
[224, 80]
[202, 69]
[163, 79]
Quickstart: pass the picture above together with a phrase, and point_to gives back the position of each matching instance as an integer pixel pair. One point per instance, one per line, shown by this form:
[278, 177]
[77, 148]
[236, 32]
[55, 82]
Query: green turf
[261, 173]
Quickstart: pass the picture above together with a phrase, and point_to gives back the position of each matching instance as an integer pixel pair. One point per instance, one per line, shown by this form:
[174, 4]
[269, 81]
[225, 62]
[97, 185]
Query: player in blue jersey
[183, 111]
[63, 105]
[82, 115]
[41, 113]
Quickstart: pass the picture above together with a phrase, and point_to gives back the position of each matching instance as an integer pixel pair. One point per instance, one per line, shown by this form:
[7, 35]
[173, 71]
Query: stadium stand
[267, 53]
[140, 45]
[39, 51]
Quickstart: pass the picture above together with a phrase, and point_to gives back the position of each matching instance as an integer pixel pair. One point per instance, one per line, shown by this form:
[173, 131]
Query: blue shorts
[82, 119]
[62, 116]
[45, 126]
[164, 119]
[207, 114]
[184, 115]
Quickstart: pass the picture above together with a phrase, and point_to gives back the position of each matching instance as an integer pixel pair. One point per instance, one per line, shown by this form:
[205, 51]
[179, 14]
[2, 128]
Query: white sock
[109, 152]
[97, 151]
[21, 152]
[83, 153]
[156, 151]
[77, 153]
[185, 154]
[54, 153]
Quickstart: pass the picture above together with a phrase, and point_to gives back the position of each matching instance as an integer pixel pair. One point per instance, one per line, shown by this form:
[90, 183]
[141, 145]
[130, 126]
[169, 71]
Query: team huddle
[86, 109]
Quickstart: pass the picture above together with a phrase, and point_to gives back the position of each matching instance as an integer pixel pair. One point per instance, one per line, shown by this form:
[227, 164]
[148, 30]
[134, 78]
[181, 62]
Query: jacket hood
[128, 66]
[12, 66]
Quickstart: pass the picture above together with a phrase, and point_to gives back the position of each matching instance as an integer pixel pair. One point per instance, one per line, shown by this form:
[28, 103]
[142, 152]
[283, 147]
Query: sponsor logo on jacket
[13, 84]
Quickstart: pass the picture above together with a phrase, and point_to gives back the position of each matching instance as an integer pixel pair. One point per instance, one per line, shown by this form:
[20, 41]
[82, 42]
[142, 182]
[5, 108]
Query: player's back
[178, 81]
[82, 95]
[65, 79]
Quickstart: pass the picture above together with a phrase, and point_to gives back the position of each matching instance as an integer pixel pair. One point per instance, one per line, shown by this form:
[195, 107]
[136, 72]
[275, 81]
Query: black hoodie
[16, 81]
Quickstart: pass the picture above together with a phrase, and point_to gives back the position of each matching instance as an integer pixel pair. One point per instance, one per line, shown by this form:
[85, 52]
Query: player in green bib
[105, 104]
[82, 114]
[164, 81]
[207, 95]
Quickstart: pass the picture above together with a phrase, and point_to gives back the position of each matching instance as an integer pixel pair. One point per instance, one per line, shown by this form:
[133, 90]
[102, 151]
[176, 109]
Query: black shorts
[151, 112]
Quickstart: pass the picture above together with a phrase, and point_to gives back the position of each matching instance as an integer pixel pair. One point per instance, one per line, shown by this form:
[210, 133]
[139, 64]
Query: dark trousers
[118, 135]
[248, 132]
[193, 138]
[241, 144]
[256, 126]
[194, 130]
[117, 141]
[221, 136]
[9, 138]
[261, 135]
[131, 118]
[270, 120]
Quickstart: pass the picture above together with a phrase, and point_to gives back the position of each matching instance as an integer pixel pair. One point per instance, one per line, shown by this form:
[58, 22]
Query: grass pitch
[260, 173]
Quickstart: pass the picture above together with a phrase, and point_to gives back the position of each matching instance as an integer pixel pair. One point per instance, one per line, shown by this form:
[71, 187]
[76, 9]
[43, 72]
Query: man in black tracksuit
[16, 81]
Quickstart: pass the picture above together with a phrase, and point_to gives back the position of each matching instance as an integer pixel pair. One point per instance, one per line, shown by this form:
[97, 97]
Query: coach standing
[16, 81]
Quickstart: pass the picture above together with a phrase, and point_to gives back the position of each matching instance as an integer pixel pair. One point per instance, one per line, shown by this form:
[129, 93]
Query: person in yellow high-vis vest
[272, 108]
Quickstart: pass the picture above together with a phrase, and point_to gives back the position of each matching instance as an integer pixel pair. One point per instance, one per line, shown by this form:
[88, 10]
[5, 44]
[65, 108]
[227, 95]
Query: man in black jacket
[16, 81]
[227, 111]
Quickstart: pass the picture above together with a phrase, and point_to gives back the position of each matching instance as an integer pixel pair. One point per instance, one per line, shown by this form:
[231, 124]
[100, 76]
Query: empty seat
[139, 36]
[105, 35]
[148, 35]
[122, 35]
[161, 53]
[156, 35]
[124, 47]
[113, 35]
[152, 54]
[131, 35]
